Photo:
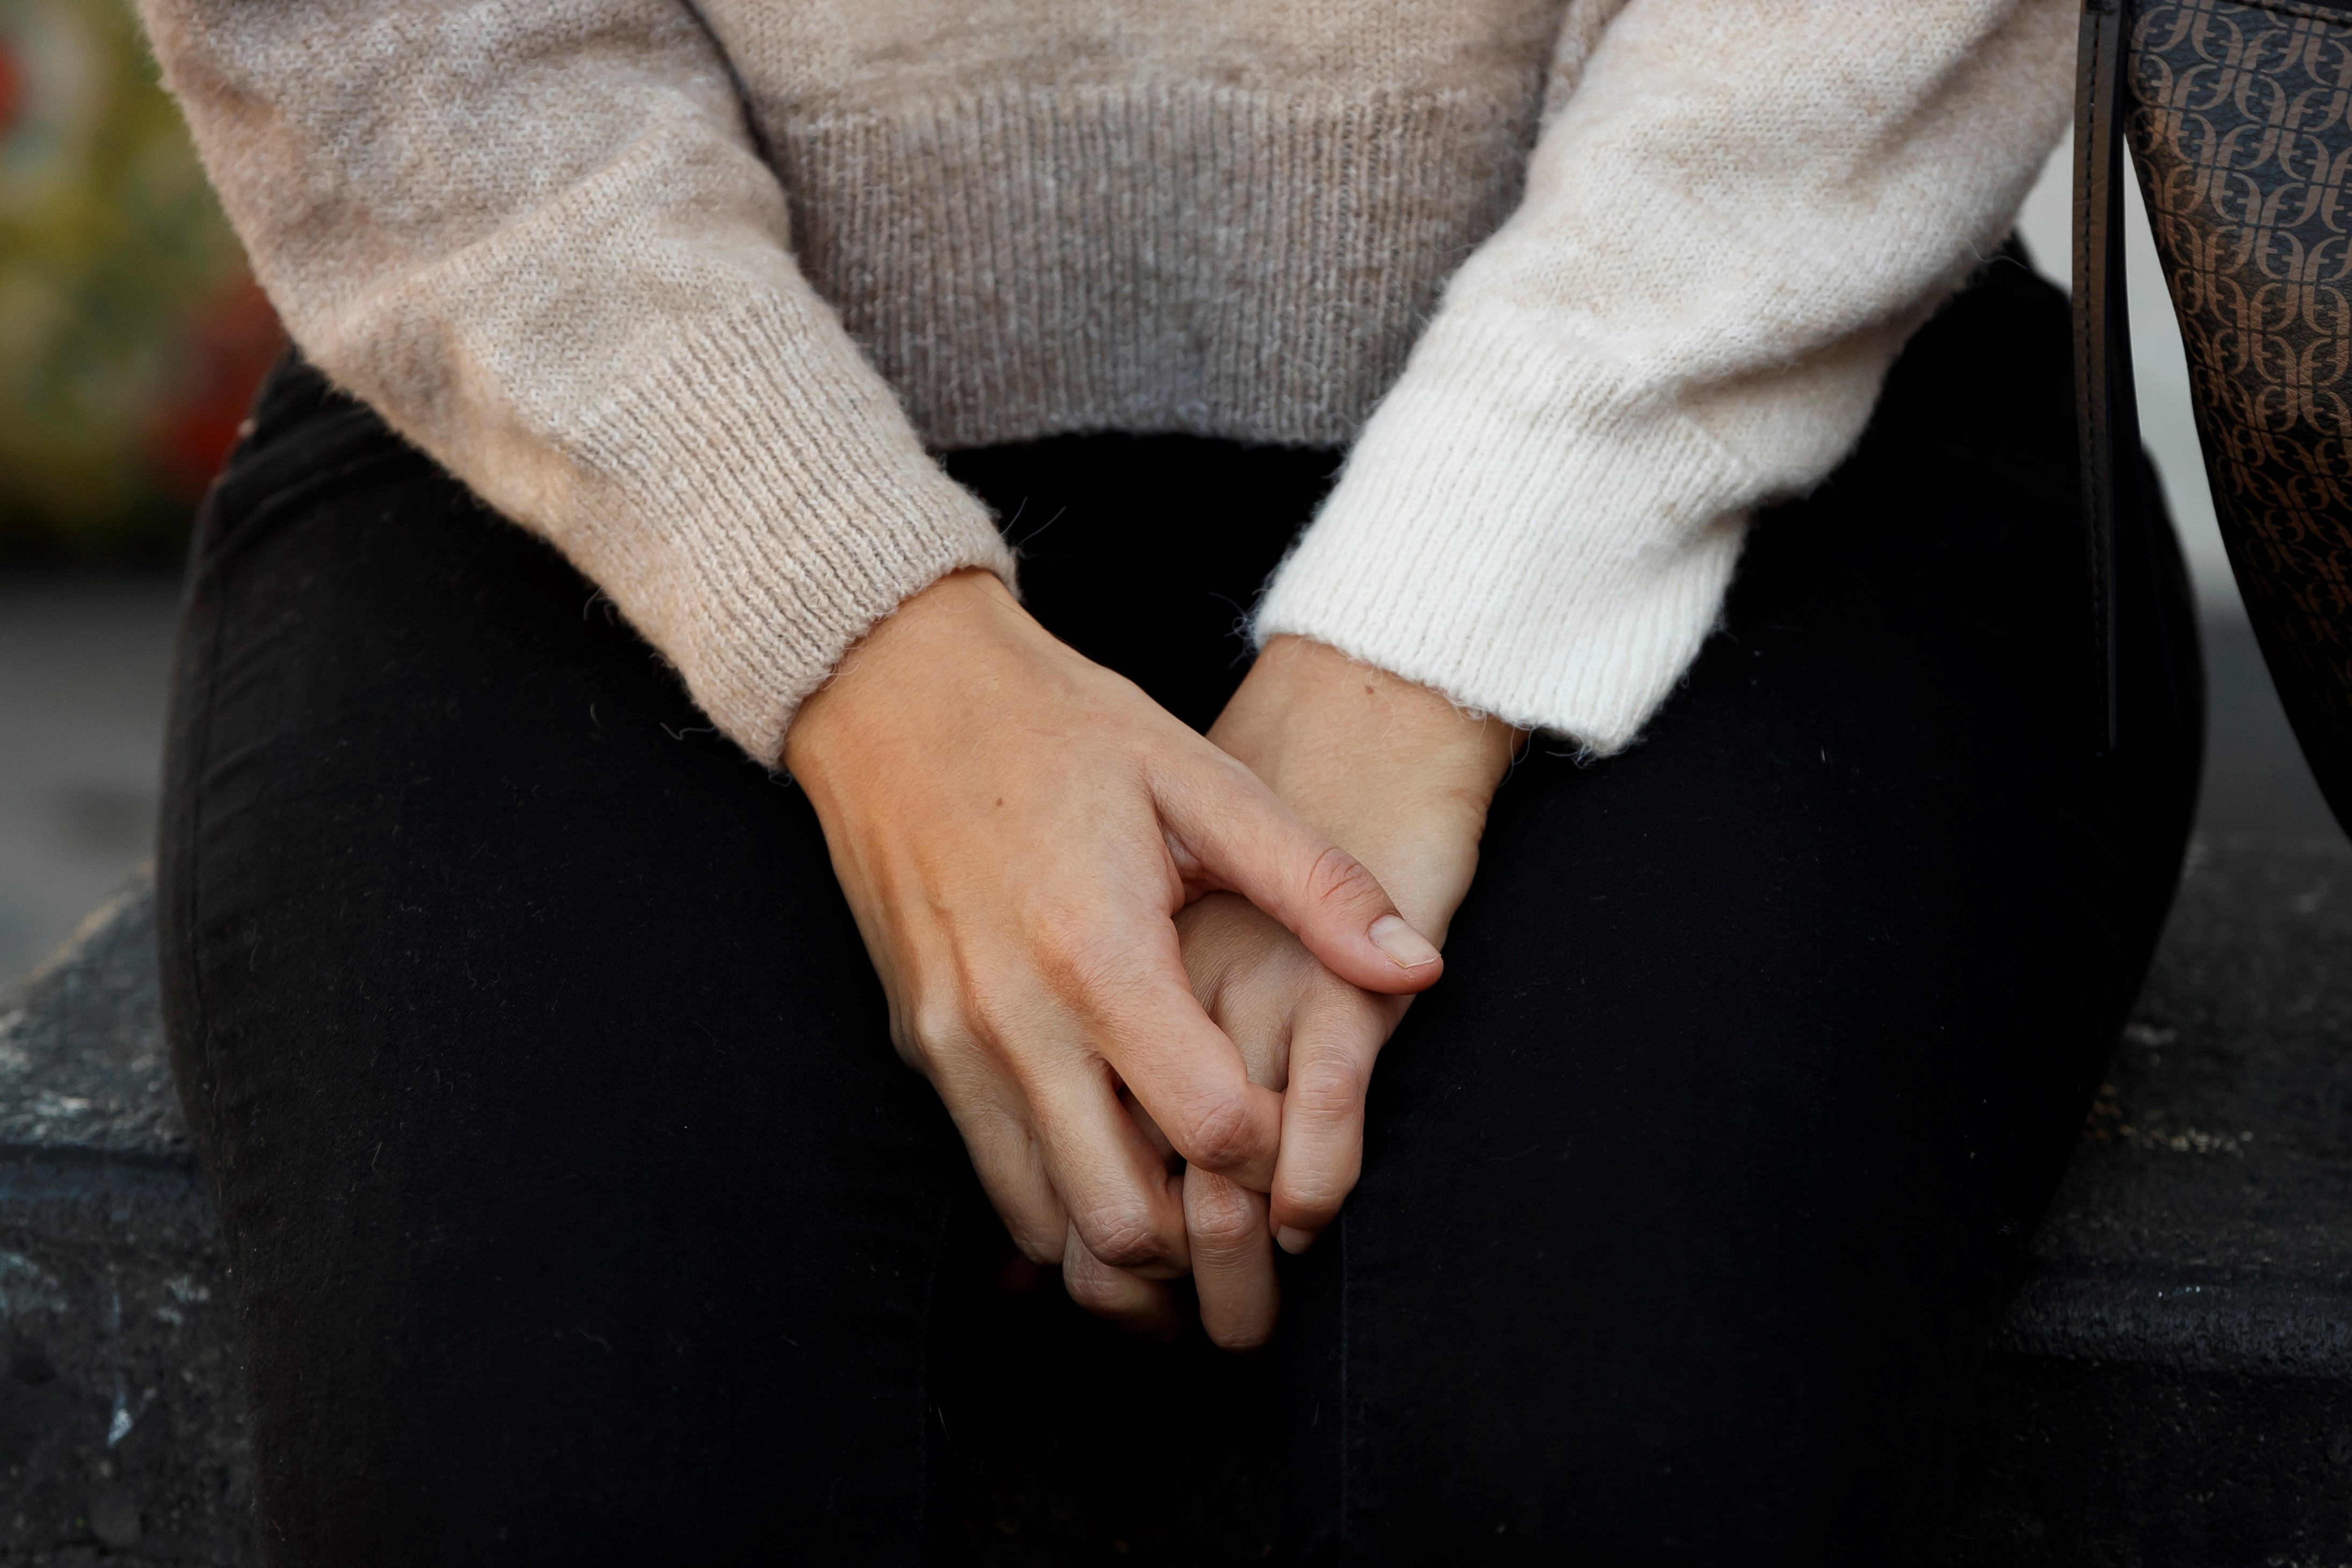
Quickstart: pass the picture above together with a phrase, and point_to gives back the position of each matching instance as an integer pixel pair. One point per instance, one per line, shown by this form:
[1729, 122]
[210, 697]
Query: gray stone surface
[2172, 1387]
[121, 1415]
[2173, 1384]
[82, 1063]
[2211, 1202]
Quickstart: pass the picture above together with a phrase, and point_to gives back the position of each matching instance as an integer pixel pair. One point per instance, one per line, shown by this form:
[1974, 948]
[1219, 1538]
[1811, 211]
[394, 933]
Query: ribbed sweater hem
[1023, 261]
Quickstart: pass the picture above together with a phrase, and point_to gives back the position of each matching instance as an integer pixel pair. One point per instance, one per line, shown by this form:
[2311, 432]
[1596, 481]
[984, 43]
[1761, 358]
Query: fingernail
[1405, 946]
[1293, 1241]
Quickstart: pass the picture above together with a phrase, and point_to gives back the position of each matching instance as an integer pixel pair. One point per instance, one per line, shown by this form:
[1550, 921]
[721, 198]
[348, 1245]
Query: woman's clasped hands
[1138, 966]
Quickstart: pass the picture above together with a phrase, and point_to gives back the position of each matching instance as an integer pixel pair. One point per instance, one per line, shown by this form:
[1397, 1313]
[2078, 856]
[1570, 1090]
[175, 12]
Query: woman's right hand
[1015, 829]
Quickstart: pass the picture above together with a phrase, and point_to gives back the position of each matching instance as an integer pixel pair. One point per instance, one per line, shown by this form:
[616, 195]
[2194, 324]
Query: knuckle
[1220, 1213]
[983, 1014]
[1339, 881]
[1314, 1196]
[1039, 1249]
[1123, 1238]
[1042, 1238]
[1080, 951]
[931, 1028]
[1094, 1287]
[980, 1005]
[911, 1049]
[1222, 1135]
[1325, 1086]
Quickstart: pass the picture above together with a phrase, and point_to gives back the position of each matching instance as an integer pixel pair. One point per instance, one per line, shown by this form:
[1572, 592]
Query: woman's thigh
[1690, 1194]
[579, 1208]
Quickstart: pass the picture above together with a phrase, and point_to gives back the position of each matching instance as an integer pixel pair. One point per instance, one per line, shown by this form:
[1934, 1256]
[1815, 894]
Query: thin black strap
[2105, 408]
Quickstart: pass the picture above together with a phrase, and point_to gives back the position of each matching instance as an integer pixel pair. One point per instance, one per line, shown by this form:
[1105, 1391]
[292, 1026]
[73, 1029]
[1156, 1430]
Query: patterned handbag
[2238, 114]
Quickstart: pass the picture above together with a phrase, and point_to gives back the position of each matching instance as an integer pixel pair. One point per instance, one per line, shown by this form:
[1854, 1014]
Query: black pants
[580, 1211]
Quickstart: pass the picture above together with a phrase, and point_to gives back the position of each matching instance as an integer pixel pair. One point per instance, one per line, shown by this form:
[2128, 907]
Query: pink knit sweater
[690, 289]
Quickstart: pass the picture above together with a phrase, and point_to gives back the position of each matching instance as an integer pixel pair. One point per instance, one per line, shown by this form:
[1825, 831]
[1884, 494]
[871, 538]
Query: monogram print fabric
[2241, 121]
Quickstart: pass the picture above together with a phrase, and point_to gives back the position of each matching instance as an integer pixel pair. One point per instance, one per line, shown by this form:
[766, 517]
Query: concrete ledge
[2172, 1385]
[121, 1416]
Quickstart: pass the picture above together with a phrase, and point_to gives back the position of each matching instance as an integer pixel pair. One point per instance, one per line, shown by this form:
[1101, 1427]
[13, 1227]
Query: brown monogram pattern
[2241, 123]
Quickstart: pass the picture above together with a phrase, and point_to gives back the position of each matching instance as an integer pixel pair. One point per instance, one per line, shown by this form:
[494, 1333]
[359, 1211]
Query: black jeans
[580, 1211]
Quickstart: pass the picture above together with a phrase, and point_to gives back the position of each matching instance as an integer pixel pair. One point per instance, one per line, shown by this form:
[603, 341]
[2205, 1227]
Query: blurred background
[132, 336]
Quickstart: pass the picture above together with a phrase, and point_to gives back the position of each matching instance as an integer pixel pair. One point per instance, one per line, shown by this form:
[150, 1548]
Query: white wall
[2162, 372]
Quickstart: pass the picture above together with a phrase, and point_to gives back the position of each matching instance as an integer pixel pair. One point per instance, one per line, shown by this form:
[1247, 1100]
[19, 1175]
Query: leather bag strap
[2105, 407]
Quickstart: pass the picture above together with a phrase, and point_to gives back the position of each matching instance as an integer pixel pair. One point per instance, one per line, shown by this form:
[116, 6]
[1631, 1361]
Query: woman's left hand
[1399, 777]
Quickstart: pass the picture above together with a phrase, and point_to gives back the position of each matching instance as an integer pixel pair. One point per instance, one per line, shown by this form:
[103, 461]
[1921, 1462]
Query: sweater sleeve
[536, 236]
[1731, 223]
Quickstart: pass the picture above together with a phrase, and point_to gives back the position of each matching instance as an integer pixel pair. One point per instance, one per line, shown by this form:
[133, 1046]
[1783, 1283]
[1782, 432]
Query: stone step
[2172, 1385]
[2174, 1380]
[121, 1410]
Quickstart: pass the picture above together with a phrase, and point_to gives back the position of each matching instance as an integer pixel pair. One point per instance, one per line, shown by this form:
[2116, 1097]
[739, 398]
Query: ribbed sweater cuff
[1521, 530]
[762, 503]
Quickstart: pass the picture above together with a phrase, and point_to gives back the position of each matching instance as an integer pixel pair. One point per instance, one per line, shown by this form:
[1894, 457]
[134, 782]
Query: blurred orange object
[230, 344]
[12, 87]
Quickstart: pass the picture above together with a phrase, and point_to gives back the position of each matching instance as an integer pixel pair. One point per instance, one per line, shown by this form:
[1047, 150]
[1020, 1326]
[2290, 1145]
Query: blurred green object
[130, 332]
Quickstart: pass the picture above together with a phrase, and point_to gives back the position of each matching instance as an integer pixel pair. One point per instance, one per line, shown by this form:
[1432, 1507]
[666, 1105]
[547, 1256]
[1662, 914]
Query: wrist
[931, 637]
[1391, 770]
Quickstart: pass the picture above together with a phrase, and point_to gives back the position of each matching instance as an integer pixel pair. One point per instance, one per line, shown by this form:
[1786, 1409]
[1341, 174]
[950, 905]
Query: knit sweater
[695, 289]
